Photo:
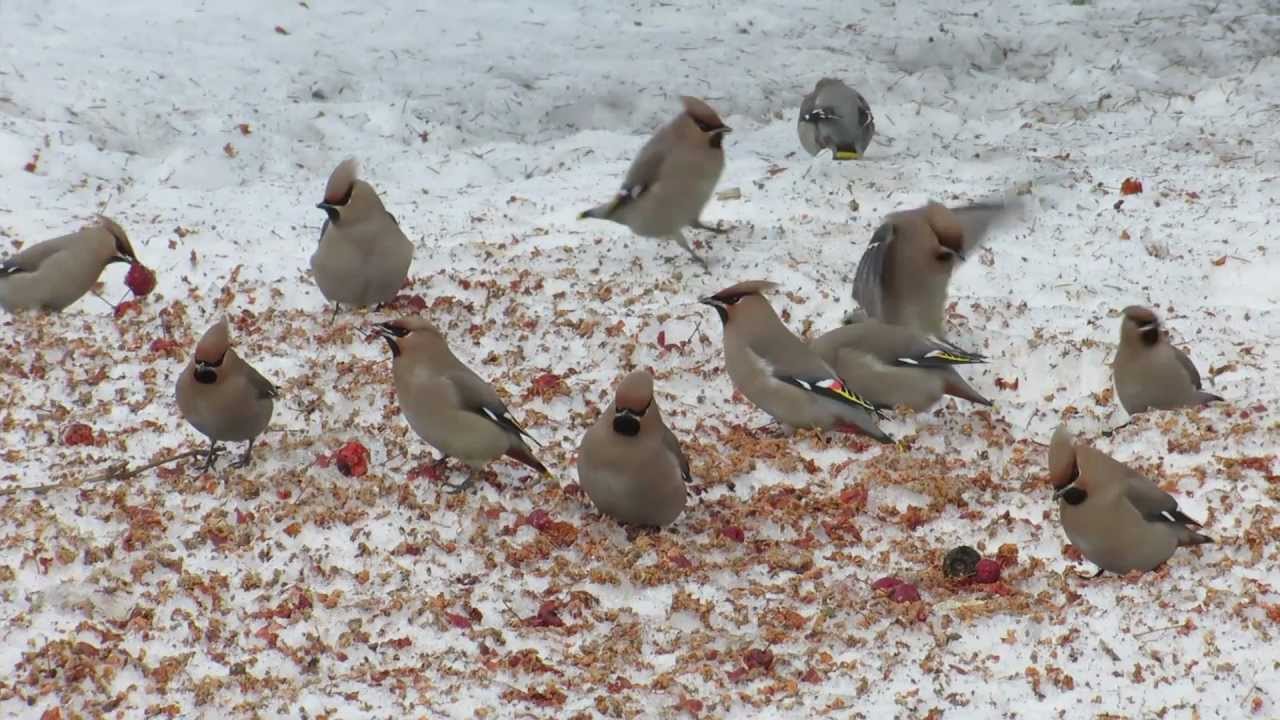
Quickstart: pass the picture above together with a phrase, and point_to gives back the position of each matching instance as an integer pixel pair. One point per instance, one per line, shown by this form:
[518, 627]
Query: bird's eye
[945, 256]
[733, 300]
[702, 125]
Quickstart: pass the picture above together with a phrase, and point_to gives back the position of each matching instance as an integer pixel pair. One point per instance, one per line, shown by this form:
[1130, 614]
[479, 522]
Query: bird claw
[210, 457]
[718, 229]
[455, 488]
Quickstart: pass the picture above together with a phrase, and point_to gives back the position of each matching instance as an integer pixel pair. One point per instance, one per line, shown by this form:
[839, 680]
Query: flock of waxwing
[892, 353]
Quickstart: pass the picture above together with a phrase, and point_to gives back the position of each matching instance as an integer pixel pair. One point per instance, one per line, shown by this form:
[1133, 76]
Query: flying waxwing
[1150, 372]
[672, 178]
[903, 274]
[363, 257]
[222, 396]
[55, 273]
[835, 117]
[1118, 519]
[629, 462]
[893, 365]
[780, 373]
[447, 404]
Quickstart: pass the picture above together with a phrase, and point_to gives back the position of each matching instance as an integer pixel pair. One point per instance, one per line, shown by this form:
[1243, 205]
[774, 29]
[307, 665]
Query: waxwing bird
[363, 257]
[447, 404]
[53, 274]
[893, 365]
[780, 373]
[672, 178]
[1119, 519]
[837, 118]
[903, 275]
[629, 462]
[1150, 373]
[222, 396]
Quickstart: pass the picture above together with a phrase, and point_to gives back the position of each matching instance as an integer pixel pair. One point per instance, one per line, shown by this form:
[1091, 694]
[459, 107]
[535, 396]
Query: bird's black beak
[389, 332]
[720, 307]
[330, 209]
[1057, 494]
[722, 130]
[120, 257]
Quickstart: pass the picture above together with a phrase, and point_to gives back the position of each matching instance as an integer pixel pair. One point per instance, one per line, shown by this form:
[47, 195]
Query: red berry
[140, 279]
[887, 582]
[78, 434]
[905, 592]
[352, 459]
[1131, 186]
[988, 571]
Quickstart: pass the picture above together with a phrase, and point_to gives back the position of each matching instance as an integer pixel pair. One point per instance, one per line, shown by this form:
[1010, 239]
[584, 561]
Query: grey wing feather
[263, 386]
[1151, 502]
[869, 282]
[977, 220]
[1189, 366]
[479, 397]
[669, 439]
[29, 260]
[646, 168]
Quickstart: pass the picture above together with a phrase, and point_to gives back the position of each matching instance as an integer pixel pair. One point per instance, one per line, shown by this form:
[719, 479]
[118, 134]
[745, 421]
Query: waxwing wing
[447, 404]
[837, 118]
[1150, 373]
[893, 365]
[903, 275]
[780, 373]
[672, 178]
[629, 462]
[1117, 518]
[55, 273]
[222, 396]
[363, 257]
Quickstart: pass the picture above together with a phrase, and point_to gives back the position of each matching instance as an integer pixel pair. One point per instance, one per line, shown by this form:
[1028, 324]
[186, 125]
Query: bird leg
[334, 316]
[244, 459]
[1116, 429]
[454, 488]
[210, 456]
[684, 243]
[717, 229]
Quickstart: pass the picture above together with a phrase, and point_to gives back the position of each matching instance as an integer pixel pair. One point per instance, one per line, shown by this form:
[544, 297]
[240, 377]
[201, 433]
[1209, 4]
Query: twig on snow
[117, 472]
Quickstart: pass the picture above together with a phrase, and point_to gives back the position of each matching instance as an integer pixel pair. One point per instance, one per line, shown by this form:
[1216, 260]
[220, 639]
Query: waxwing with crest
[447, 404]
[363, 257]
[222, 396]
[903, 275]
[780, 373]
[629, 462]
[1150, 373]
[1118, 519]
[52, 274]
[671, 180]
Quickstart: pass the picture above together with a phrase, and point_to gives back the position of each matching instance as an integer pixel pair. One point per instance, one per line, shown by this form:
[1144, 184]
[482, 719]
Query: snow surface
[290, 590]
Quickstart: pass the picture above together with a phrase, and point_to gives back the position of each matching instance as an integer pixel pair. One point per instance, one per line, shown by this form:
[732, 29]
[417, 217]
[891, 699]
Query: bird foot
[718, 229]
[455, 488]
[211, 456]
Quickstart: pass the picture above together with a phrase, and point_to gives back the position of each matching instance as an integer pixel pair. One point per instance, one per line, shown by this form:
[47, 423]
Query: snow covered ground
[287, 589]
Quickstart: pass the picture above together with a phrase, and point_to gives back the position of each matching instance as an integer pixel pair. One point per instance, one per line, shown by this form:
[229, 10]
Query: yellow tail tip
[848, 155]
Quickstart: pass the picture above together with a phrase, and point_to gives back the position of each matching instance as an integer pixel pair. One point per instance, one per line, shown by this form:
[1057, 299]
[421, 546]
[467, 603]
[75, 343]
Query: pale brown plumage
[903, 275]
[672, 178]
[1117, 518]
[779, 372]
[894, 365]
[222, 396]
[447, 404]
[363, 257]
[53, 274]
[629, 462]
[1150, 373]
